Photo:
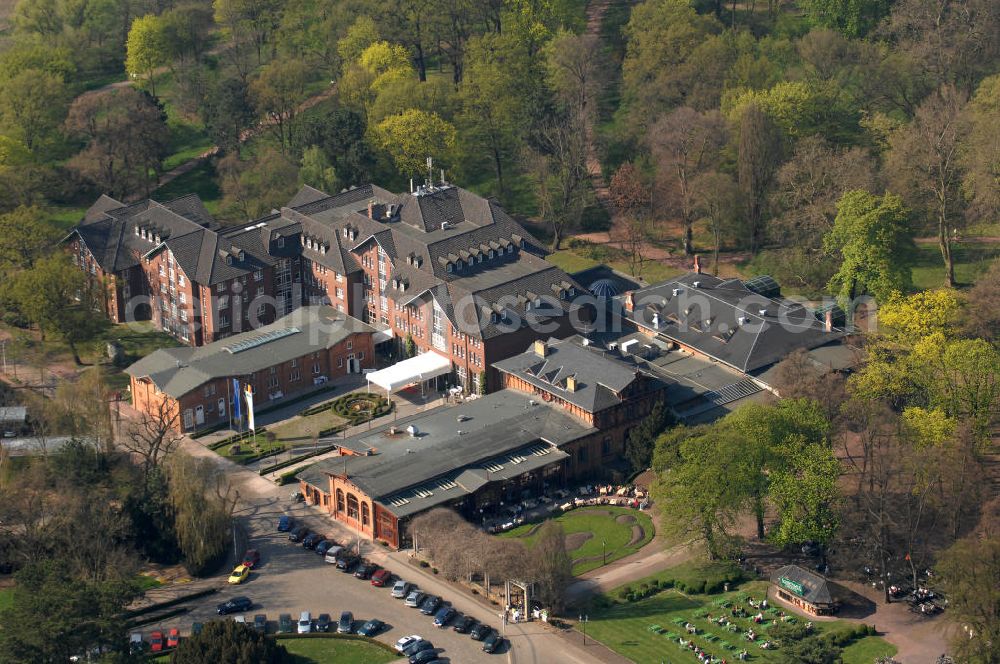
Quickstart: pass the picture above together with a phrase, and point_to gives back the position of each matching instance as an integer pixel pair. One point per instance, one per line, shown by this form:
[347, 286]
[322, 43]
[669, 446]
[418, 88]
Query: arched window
[365, 517]
[340, 500]
[352, 506]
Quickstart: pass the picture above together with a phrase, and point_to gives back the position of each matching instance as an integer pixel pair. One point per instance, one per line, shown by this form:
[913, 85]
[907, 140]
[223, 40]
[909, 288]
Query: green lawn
[259, 444]
[302, 429]
[600, 522]
[6, 598]
[971, 260]
[146, 582]
[341, 651]
[200, 180]
[625, 628]
[569, 261]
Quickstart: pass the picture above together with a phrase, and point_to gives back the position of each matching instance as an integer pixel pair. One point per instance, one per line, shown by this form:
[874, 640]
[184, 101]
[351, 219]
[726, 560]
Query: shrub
[424, 563]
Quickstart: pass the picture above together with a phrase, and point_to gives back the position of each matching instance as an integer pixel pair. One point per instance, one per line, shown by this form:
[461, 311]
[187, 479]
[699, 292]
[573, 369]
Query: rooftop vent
[445, 225]
[463, 418]
[742, 320]
[678, 291]
[696, 284]
[763, 312]
[413, 431]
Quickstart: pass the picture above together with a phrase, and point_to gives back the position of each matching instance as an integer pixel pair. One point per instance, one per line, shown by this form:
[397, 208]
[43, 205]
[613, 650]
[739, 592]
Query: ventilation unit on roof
[413, 431]
[763, 312]
[445, 225]
[677, 291]
[696, 284]
[742, 320]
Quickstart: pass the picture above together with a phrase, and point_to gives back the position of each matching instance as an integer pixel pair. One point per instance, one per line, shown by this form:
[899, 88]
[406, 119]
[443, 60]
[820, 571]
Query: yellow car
[239, 574]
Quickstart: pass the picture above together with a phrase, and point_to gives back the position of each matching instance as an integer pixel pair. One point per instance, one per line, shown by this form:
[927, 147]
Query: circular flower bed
[361, 406]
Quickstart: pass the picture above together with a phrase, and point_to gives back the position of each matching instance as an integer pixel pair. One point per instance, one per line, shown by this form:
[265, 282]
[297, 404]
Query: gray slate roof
[815, 589]
[177, 371]
[452, 443]
[13, 414]
[602, 377]
[707, 318]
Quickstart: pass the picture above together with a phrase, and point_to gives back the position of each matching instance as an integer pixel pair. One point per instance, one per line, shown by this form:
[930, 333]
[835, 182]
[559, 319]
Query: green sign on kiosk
[794, 586]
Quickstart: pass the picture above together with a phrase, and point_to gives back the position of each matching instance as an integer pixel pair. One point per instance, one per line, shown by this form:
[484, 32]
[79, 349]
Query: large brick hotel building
[441, 266]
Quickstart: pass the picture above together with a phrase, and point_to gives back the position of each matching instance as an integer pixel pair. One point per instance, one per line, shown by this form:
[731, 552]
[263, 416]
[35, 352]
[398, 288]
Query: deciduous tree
[869, 235]
[925, 161]
[413, 136]
[33, 105]
[968, 571]
[758, 156]
[229, 641]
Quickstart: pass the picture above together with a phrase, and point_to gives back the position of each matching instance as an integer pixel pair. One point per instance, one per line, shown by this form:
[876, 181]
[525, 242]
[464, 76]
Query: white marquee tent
[416, 369]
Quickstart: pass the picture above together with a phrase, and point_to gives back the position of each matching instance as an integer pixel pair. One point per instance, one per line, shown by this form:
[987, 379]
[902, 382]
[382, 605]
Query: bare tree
[203, 502]
[574, 71]
[809, 186]
[758, 155]
[153, 436]
[560, 169]
[685, 144]
[926, 167]
[551, 567]
[716, 197]
[982, 309]
[632, 199]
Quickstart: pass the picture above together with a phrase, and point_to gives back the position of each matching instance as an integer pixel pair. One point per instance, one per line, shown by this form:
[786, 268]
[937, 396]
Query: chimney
[629, 301]
[697, 264]
[571, 383]
[371, 210]
[828, 320]
[540, 348]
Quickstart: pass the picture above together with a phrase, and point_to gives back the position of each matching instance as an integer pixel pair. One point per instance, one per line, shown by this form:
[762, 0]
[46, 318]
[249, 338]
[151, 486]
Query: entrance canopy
[416, 369]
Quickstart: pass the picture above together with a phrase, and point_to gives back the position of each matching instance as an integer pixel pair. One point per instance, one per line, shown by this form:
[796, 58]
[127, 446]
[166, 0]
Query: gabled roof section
[728, 321]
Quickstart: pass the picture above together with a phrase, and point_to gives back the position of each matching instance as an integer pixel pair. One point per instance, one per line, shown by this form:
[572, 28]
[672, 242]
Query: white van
[305, 622]
[135, 643]
[332, 553]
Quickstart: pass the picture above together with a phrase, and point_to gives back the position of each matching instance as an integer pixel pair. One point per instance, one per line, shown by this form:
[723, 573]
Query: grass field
[6, 597]
[302, 429]
[603, 526]
[971, 260]
[341, 651]
[625, 628]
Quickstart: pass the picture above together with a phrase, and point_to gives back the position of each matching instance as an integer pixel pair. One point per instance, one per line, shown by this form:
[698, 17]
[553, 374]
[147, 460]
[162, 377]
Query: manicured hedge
[297, 459]
[341, 406]
[690, 578]
[157, 618]
[235, 438]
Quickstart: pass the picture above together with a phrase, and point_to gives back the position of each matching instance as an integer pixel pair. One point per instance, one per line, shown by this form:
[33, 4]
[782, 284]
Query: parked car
[346, 623]
[403, 643]
[424, 656]
[285, 523]
[298, 534]
[323, 622]
[311, 540]
[239, 574]
[381, 577]
[430, 605]
[156, 641]
[260, 623]
[480, 632]
[419, 646]
[401, 589]
[196, 628]
[443, 616]
[173, 637]
[371, 628]
[492, 643]
[332, 554]
[463, 624]
[365, 571]
[241, 619]
[251, 558]
[305, 622]
[325, 546]
[415, 599]
[285, 623]
[136, 645]
[234, 605]
[347, 562]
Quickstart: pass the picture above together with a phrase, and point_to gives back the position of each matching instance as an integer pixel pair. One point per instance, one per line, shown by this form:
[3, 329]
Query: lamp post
[583, 621]
[604, 547]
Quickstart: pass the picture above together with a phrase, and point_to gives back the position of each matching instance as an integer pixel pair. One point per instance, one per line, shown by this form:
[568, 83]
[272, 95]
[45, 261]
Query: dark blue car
[284, 523]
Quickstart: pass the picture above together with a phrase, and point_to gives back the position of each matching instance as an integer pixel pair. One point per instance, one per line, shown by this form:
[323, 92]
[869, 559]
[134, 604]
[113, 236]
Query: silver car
[415, 599]
[401, 589]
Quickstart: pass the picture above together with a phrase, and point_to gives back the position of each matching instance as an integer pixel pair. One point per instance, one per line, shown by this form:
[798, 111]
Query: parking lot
[291, 579]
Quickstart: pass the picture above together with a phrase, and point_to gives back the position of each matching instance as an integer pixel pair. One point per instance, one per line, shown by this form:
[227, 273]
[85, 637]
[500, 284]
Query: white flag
[248, 392]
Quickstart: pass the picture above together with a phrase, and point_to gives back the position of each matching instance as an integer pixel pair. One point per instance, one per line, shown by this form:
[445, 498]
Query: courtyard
[596, 535]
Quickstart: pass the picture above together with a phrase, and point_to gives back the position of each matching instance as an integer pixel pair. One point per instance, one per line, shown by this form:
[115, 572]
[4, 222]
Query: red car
[381, 577]
[173, 637]
[251, 558]
[156, 641]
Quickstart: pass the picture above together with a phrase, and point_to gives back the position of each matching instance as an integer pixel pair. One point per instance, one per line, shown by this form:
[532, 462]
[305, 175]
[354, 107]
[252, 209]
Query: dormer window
[345, 231]
[479, 258]
[447, 267]
[572, 291]
[471, 261]
[493, 254]
[229, 259]
[281, 242]
[494, 317]
[510, 248]
[242, 255]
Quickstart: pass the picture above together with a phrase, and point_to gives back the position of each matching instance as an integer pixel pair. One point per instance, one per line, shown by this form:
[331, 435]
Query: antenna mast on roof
[430, 171]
